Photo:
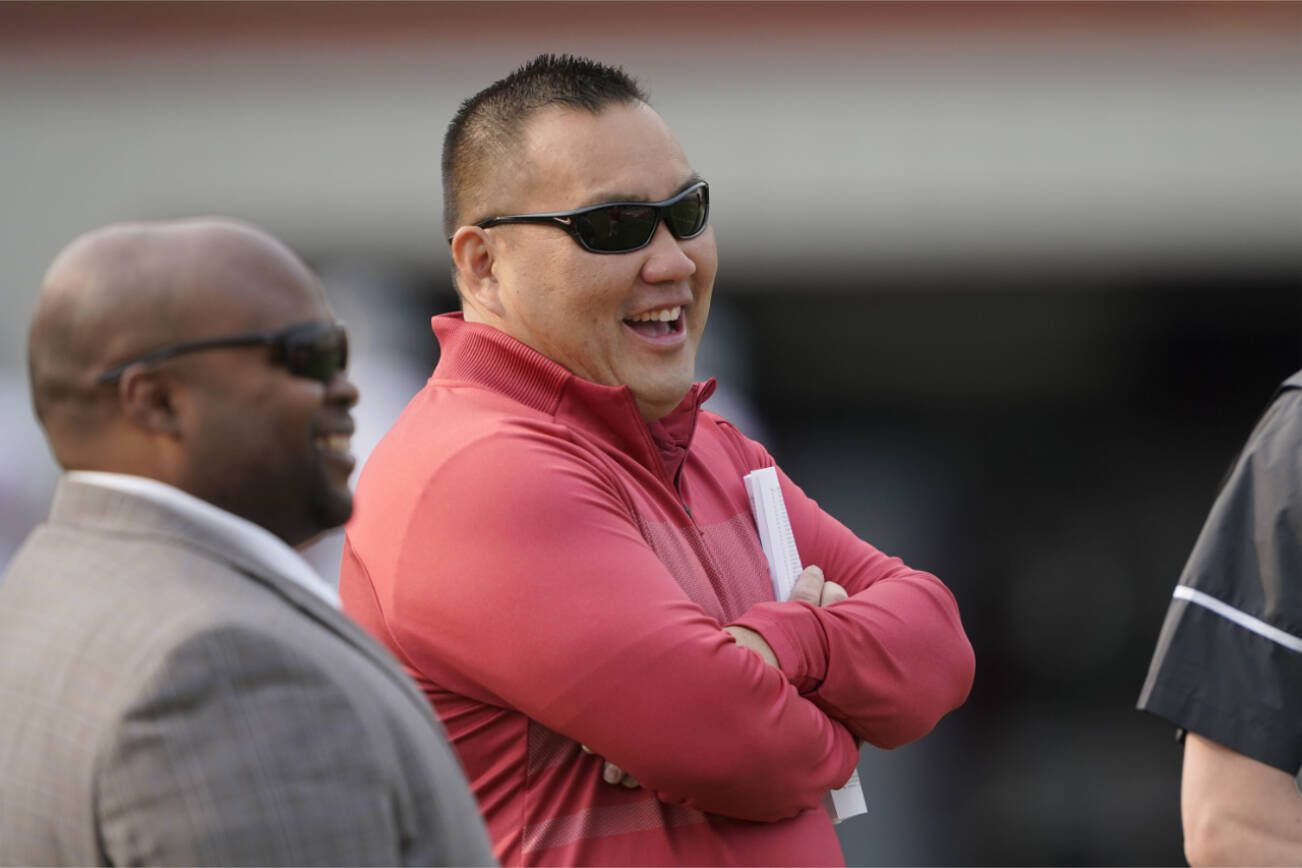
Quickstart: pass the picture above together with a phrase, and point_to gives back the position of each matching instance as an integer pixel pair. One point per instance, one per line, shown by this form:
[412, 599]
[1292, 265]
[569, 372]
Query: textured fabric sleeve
[525, 580]
[243, 753]
[1228, 663]
[888, 662]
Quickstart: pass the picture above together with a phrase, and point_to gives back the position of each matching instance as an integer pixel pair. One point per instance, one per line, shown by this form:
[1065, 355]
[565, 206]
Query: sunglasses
[621, 227]
[315, 350]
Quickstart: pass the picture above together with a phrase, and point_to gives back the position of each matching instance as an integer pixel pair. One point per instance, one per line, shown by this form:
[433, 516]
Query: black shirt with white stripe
[1228, 663]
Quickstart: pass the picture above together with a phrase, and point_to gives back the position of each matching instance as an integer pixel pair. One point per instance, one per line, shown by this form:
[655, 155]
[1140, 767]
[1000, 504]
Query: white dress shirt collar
[230, 529]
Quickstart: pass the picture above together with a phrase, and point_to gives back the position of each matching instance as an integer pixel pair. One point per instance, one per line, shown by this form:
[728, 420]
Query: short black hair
[489, 124]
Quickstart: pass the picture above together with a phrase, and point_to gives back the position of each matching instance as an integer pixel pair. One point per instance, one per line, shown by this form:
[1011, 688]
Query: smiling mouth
[662, 323]
[335, 443]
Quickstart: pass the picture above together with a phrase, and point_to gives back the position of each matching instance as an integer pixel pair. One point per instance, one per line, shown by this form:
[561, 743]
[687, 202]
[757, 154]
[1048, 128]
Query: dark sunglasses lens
[617, 227]
[686, 217]
[319, 355]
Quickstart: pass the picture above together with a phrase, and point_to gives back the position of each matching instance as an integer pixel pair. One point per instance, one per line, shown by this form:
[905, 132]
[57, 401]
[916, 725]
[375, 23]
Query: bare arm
[1237, 811]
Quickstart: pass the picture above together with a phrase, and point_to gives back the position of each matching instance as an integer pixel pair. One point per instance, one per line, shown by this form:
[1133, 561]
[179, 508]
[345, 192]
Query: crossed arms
[571, 619]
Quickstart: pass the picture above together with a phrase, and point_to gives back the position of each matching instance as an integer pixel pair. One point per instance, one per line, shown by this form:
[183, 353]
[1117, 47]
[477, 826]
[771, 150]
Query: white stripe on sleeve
[1261, 628]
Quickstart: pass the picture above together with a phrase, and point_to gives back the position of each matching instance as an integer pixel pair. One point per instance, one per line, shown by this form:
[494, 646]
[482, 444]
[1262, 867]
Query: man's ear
[149, 401]
[473, 257]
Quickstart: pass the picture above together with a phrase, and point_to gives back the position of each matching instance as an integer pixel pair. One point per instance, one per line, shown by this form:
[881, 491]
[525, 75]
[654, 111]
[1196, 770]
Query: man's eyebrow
[618, 196]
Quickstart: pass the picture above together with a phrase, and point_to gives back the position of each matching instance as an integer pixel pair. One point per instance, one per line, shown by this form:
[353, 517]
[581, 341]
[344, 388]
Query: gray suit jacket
[166, 702]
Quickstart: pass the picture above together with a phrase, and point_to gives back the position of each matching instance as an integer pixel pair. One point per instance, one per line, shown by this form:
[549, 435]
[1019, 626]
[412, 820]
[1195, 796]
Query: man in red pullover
[555, 538]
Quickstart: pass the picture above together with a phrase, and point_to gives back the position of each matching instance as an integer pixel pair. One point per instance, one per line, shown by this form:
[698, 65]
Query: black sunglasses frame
[570, 220]
[287, 344]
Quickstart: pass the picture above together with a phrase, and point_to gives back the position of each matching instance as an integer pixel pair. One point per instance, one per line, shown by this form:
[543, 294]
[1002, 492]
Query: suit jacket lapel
[121, 513]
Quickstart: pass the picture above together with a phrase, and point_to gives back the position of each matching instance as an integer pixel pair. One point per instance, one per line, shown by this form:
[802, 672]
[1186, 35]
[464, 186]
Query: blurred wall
[1004, 286]
[926, 135]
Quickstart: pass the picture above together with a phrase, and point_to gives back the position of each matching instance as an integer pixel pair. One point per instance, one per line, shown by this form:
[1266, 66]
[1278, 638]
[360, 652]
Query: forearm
[703, 722]
[888, 662]
[597, 641]
[1237, 811]
[591, 635]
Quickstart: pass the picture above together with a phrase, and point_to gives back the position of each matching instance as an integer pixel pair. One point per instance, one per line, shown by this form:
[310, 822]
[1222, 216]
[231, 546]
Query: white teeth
[335, 442]
[668, 314]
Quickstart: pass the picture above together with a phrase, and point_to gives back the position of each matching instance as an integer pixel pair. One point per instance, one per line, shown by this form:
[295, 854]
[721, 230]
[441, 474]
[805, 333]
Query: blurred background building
[1004, 286]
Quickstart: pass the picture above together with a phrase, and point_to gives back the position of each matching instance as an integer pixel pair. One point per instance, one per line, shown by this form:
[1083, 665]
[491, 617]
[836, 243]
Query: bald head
[122, 290]
[200, 397]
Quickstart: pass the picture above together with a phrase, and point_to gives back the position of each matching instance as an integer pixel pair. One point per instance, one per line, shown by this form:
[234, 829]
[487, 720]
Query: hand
[613, 774]
[811, 587]
[748, 638]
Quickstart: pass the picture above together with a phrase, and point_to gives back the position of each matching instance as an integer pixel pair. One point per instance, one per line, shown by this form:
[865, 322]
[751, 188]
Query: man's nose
[341, 390]
[666, 259]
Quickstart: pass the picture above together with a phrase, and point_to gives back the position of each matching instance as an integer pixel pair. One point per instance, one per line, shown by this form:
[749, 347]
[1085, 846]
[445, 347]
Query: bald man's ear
[148, 401]
[473, 257]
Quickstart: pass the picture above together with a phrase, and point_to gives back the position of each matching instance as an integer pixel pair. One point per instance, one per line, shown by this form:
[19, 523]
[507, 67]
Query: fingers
[832, 593]
[813, 588]
[613, 774]
[808, 587]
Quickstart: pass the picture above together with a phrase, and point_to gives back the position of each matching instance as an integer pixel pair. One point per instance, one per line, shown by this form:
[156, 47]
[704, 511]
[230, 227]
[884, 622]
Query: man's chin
[334, 508]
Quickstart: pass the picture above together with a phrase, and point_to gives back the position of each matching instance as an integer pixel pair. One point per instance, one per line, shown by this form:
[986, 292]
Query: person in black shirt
[1228, 664]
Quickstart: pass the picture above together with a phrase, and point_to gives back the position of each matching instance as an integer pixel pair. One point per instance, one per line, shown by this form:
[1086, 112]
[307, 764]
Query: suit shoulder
[124, 601]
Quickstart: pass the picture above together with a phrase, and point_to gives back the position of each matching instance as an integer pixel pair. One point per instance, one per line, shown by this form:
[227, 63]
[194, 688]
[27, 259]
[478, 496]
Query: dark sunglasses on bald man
[621, 227]
[316, 350]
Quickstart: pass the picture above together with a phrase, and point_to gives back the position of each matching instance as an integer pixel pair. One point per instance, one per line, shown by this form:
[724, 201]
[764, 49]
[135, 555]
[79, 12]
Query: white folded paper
[779, 544]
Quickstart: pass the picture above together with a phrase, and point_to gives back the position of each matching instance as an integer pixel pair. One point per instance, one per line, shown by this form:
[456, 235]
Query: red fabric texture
[554, 572]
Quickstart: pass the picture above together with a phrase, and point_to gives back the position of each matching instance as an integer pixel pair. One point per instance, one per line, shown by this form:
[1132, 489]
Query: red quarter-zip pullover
[556, 572]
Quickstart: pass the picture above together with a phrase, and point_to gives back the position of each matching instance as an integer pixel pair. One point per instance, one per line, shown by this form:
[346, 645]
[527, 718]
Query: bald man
[177, 686]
